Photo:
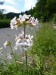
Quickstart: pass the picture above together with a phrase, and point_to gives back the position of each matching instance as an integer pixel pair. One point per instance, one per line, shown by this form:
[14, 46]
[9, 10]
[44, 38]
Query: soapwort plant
[23, 40]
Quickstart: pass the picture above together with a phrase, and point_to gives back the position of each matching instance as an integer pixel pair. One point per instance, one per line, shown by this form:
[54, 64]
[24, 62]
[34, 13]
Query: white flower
[20, 36]
[13, 23]
[32, 21]
[9, 56]
[7, 43]
[20, 16]
[21, 19]
[24, 44]
[17, 37]
[27, 41]
[36, 21]
[18, 41]
[16, 22]
[26, 16]
[30, 37]
[16, 47]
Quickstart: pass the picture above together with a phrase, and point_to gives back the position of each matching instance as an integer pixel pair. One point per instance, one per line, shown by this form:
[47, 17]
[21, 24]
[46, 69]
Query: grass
[44, 48]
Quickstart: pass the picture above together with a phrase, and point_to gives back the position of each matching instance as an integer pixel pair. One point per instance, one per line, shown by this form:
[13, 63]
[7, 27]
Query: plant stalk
[13, 54]
[24, 30]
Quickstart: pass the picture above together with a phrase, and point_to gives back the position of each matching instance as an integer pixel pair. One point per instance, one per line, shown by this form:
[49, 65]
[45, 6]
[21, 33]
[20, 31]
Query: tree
[44, 9]
[1, 9]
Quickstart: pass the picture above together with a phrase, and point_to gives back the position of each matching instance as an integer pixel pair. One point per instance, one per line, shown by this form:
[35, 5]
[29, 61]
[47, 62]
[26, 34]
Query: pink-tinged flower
[21, 19]
[13, 23]
[27, 41]
[26, 16]
[32, 21]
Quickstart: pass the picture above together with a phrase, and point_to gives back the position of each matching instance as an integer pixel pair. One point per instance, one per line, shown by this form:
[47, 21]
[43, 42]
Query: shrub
[4, 23]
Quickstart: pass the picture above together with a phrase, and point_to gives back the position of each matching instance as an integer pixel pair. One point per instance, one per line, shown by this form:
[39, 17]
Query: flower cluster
[21, 41]
[23, 20]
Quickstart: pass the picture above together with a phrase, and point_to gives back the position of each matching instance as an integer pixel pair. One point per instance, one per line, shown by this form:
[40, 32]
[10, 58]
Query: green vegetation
[44, 10]
[44, 48]
[4, 23]
[43, 52]
[43, 55]
[19, 70]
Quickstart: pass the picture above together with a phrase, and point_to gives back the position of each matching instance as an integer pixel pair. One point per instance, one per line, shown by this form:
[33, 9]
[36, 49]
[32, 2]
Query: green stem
[26, 61]
[26, 57]
[24, 31]
[6, 57]
[13, 55]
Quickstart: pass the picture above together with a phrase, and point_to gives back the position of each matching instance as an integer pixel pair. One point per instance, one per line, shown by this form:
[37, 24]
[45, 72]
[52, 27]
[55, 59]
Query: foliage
[19, 70]
[11, 15]
[44, 10]
[4, 23]
[2, 16]
[45, 48]
[45, 41]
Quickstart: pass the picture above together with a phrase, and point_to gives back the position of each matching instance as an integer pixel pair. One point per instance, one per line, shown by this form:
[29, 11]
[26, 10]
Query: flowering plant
[23, 39]
[23, 20]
